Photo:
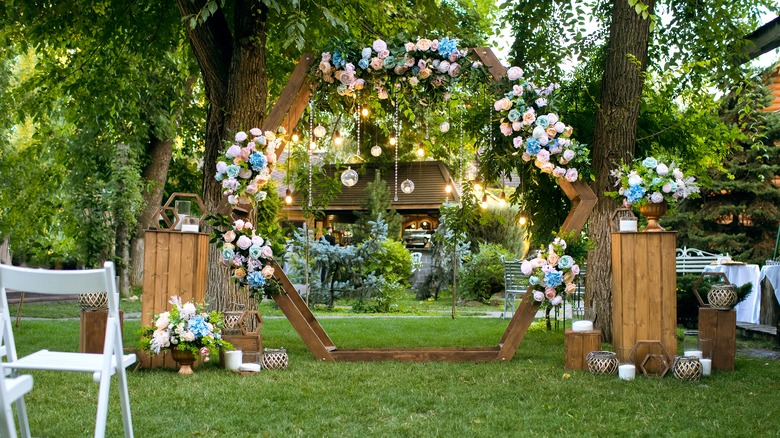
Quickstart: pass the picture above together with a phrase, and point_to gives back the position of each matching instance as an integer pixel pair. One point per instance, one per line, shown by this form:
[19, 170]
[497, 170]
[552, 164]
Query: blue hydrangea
[447, 47]
[258, 161]
[553, 278]
[634, 194]
[363, 63]
[232, 170]
[255, 279]
[338, 60]
[228, 254]
[198, 326]
[532, 146]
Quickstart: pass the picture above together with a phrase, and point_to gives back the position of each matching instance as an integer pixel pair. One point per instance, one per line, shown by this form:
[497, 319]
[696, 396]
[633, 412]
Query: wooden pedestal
[92, 333]
[577, 345]
[720, 326]
[644, 289]
[175, 263]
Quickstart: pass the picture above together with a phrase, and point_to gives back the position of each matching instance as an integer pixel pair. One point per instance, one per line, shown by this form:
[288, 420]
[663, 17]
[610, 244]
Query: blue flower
[255, 251]
[542, 121]
[389, 62]
[634, 194]
[532, 146]
[363, 63]
[258, 161]
[553, 278]
[565, 262]
[219, 176]
[514, 115]
[338, 60]
[650, 163]
[232, 170]
[255, 279]
[533, 280]
[447, 47]
[228, 254]
[198, 326]
[655, 181]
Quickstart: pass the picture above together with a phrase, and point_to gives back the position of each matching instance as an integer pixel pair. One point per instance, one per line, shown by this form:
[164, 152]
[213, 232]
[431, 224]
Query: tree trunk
[155, 174]
[122, 227]
[234, 73]
[614, 140]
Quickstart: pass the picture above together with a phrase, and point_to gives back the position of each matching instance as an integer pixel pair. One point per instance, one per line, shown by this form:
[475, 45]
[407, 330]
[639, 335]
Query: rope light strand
[397, 144]
[311, 141]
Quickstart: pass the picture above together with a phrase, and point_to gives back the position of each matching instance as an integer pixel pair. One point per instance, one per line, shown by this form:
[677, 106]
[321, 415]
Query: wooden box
[246, 343]
[644, 289]
[92, 333]
[720, 327]
[175, 263]
[577, 345]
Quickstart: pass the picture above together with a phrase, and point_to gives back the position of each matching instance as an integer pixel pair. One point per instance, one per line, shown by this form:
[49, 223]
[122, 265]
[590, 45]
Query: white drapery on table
[772, 272]
[750, 308]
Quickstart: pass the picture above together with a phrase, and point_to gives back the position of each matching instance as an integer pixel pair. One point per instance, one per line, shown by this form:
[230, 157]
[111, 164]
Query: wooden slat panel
[150, 260]
[720, 327]
[486, 56]
[576, 347]
[668, 310]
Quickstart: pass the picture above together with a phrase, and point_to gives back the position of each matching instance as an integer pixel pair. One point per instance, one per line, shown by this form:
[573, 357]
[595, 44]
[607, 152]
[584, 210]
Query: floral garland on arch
[247, 164]
[537, 133]
[249, 257]
[425, 64]
[552, 273]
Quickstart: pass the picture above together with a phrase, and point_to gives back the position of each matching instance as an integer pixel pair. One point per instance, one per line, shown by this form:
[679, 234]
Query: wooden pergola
[286, 113]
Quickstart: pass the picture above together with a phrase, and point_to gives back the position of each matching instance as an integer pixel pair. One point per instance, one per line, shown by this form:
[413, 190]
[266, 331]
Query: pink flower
[326, 56]
[245, 173]
[162, 321]
[425, 73]
[229, 236]
[517, 142]
[238, 225]
[666, 188]
[550, 293]
[556, 300]
[538, 295]
[529, 117]
[377, 64]
[559, 127]
[543, 156]
[444, 67]
[526, 267]
[382, 54]
[267, 252]
[379, 45]
[506, 129]
[257, 240]
[572, 174]
[575, 269]
[526, 157]
[516, 126]
[233, 151]
[244, 242]
[571, 288]
[423, 44]
[221, 166]
[506, 104]
[241, 136]
[662, 169]
[547, 167]
[257, 132]
[271, 158]
[454, 69]
[410, 47]
[514, 73]
[559, 172]
[435, 45]
[568, 154]
[552, 259]
[252, 188]
[517, 90]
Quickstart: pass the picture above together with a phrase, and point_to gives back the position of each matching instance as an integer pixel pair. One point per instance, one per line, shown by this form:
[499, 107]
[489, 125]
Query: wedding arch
[286, 113]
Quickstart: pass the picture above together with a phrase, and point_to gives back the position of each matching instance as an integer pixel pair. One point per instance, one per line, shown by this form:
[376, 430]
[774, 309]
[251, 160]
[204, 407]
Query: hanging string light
[337, 138]
[484, 202]
[397, 144]
[288, 194]
[312, 146]
[358, 122]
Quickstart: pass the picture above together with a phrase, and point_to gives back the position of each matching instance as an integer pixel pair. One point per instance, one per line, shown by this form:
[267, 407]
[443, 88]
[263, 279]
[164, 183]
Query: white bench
[515, 283]
[693, 261]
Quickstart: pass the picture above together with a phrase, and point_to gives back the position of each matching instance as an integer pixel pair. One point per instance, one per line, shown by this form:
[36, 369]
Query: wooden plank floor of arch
[287, 112]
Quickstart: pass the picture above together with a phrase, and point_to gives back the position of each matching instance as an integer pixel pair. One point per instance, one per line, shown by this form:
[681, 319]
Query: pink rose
[241, 136]
[506, 129]
[267, 271]
[377, 64]
[517, 90]
[233, 151]
[575, 269]
[252, 188]
[514, 73]
[556, 301]
[517, 126]
[568, 154]
[529, 117]
[425, 73]
[238, 225]
[244, 242]
[379, 45]
[526, 157]
[410, 47]
[547, 167]
[526, 267]
[435, 45]
[444, 67]
[271, 158]
[162, 321]
[571, 288]
[245, 173]
[538, 295]
[454, 69]
[267, 252]
[543, 156]
[559, 127]
[572, 174]
[550, 293]
[229, 236]
[517, 142]
[552, 259]
[423, 44]
[257, 132]
[221, 167]
[326, 56]
[506, 104]
[559, 172]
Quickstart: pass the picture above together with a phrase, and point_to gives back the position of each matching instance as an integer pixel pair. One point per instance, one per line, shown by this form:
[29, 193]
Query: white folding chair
[12, 391]
[103, 366]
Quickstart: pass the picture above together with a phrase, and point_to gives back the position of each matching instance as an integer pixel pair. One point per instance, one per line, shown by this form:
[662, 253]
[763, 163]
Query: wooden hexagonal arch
[286, 113]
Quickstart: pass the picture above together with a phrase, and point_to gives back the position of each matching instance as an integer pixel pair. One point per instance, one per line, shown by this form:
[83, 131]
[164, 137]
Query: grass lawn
[530, 396]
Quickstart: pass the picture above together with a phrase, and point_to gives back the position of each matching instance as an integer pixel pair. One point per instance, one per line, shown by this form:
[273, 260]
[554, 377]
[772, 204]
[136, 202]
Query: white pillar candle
[706, 366]
[696, 353]
[582, 326]
[232, 360]
[628, 225]
[627, 372]
[190, 228]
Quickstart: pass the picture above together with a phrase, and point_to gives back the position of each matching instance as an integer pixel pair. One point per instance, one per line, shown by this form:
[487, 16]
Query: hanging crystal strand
[397, 144]
[357, 115]
[311, 140]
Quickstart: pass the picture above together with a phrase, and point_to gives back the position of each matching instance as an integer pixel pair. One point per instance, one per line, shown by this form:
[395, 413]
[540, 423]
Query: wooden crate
[720, 327]
[644, 288]
[248, 343]
[92, 333]
[577, 345]
[175, 263]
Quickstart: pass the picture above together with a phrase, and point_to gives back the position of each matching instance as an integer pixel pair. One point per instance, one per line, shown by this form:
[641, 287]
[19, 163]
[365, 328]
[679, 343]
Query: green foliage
[449, 247]
[377, 203]
[393, 262]
[498, 225]
[483, 275]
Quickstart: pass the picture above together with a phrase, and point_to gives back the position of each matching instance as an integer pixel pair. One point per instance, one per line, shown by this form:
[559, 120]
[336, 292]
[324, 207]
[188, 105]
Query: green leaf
[212, 5]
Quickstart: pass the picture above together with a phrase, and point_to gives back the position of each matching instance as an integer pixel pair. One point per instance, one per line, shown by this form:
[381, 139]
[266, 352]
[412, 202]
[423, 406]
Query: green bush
[483, 275]
[394, 263]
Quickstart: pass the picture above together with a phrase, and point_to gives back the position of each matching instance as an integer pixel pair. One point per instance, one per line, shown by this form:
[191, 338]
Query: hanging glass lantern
[376, 151]
[444, 126]
[407, 186]
[420, 151]
[349, 177]
[471, 173]
[337, 138]
[320, 131]
[288, 197]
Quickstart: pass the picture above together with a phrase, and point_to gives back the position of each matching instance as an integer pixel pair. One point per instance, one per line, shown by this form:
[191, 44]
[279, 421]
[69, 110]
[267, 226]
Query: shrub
[483, 275]
[394, 262]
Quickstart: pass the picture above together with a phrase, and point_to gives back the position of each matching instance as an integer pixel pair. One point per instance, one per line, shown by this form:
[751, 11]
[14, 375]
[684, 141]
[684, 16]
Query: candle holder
[687, 368]
[602, 362]
[181, 207]
[582, 319]
[691, 344]
[705, 345]
[626, 367]
[624, 220]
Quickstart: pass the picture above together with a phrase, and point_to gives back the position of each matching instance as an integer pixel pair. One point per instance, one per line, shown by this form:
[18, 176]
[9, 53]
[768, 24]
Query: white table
[750, 308]
[772, 272]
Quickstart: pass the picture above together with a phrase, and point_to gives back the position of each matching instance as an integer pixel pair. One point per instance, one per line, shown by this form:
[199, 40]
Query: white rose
[514, 73]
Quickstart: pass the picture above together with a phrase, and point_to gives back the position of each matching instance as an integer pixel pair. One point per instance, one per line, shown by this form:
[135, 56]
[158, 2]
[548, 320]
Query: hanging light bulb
[295, 137]
[522, 220]
[349, 177]
[288, 197]
[483, 204]
[337, 138]
[320, 131]
[502, 198]
[477, 186]
[364, 112]
[420, 151]
[393, 141]
[312, 145]
[407, 186]
[376, 151]
[448, 187]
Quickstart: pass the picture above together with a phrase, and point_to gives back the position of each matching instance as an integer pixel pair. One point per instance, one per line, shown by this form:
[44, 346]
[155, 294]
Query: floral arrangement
[651, 180]
[536, 131]
[248, 255]
[424, 61]
[186, 327]
[247, 165]
[552, 273]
